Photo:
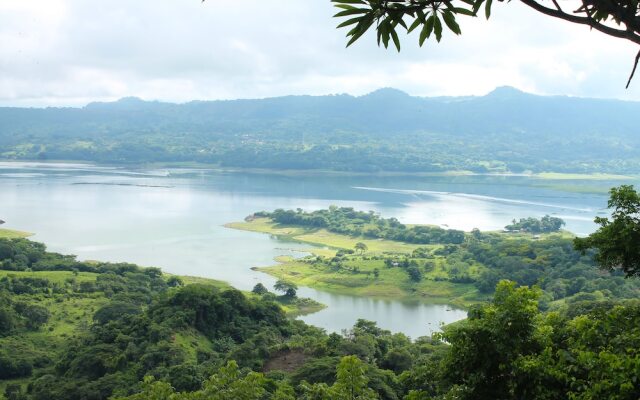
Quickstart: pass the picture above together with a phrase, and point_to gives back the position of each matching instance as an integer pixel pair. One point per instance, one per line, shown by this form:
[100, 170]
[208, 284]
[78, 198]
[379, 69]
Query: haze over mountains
[387, 130]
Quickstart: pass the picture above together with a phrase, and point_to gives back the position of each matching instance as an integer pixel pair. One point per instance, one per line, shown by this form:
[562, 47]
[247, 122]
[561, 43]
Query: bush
[11, 368]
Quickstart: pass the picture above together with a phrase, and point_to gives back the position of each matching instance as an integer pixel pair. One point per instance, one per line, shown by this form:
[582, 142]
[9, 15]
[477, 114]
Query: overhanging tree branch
[616, 18]
[619, 33]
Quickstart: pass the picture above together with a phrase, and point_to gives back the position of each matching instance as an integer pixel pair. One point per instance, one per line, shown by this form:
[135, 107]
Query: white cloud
[68, 52]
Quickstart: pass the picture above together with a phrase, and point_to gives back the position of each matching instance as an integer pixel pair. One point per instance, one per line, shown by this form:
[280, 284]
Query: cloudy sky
[70, 52]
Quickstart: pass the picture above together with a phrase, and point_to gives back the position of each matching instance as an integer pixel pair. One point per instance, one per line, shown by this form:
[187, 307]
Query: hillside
[77, 330]
[387, 130]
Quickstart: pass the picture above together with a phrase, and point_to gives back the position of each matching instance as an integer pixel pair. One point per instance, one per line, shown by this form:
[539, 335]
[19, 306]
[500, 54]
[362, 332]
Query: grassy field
[391, 282]
[323, 242]
[11, 234]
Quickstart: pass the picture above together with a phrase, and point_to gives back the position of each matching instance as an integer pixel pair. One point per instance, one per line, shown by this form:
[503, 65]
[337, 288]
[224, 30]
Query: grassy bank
[12, 234]
[292, 307]
[359, 275]
[324, 243]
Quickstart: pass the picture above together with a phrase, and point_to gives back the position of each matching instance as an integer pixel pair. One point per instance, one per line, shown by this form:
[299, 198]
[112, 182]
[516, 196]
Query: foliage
[484, 350]
[361, 247]
[339, 133]
[509, 350]
[260, 289]
[140, 338]
[618, 19]
[617, 241]
[288, 288]
[545, 224]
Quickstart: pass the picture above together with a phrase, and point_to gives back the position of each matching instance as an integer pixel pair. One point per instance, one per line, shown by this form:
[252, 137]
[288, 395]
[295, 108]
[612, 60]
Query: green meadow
[390, 283]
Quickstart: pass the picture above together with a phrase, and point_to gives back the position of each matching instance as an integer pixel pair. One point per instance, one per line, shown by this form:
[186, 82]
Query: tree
[13, 391]
[616, 18]
[6, 321]
[617, 241]
[351, 382]
[174, 281]
[414, 273]
[484, 350]
[288, 288]
[230, 384]
[546, 224]
[36, 316]
[361, 247]
[260, 289]
[115, 310]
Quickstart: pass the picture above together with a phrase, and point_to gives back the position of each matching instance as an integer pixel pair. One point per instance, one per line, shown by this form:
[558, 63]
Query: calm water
[173, 219]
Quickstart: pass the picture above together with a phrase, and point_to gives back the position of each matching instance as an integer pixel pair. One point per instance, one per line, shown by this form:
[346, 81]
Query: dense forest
[86, 330]
[504, 131]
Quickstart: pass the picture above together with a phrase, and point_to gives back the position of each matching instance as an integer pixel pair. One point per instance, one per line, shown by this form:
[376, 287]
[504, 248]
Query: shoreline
[545, 175]
[14, 234]
[293, 309]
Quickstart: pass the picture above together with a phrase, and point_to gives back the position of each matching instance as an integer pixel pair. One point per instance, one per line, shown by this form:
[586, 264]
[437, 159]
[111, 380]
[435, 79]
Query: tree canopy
[616, 18]
[617, 241]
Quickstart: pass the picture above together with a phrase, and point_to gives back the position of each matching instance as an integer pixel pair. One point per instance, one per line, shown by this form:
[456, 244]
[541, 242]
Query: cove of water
[173, 219]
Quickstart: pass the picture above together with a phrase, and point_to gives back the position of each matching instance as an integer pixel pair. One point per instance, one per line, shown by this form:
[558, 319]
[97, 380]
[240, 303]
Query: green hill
[387, 130]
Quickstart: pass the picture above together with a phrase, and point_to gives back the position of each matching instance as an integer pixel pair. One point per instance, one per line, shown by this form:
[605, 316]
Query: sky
[72, 52]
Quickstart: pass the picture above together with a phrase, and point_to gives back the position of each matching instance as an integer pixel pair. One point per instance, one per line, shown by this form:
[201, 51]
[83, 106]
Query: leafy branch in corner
[616, 18]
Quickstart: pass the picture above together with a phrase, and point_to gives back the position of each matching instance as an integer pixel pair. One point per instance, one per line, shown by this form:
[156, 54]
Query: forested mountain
[387, 130]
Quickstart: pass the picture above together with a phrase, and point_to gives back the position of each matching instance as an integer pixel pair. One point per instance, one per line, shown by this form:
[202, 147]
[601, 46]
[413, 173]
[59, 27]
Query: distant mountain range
[387, 130]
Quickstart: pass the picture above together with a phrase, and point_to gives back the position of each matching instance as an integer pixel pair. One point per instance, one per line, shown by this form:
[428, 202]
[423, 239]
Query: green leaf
[450, 20]
[477, 5]
[354, 38]
[427, 29]
[360, 29]
[437, 28]
[384, 28]
[349, 1]
[351, 12]
[396, 41]
[401, 22]
[487, 8]
[464, 11]
[415, 24]
[346, 7]
[349, 22]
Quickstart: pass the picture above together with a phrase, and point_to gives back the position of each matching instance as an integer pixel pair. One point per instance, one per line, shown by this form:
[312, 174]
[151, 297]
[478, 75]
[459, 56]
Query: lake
[173, 219]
